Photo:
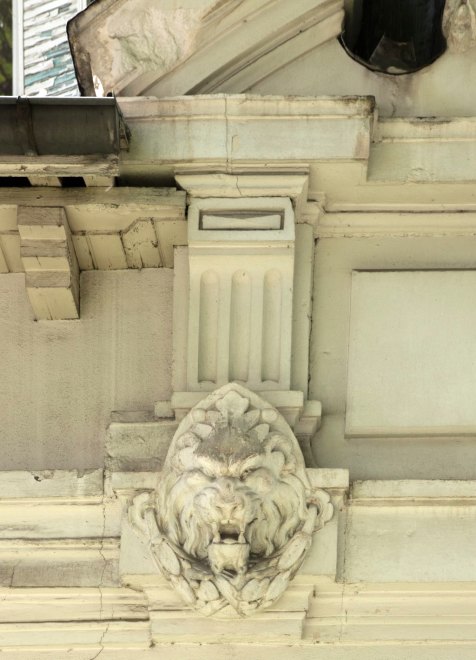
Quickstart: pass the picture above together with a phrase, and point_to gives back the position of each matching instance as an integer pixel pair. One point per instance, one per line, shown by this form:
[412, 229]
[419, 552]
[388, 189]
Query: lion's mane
[258, 475]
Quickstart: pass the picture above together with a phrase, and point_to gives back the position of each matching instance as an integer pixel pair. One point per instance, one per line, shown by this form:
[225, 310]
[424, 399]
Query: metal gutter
[61, 126]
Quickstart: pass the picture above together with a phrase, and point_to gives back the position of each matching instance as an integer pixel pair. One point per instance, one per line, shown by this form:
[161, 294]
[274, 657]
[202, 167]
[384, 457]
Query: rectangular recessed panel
[240, 222]
[412, 354]
[411, 544]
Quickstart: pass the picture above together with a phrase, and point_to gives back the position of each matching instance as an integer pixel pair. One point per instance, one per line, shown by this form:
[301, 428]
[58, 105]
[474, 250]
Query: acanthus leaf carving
[233, 515]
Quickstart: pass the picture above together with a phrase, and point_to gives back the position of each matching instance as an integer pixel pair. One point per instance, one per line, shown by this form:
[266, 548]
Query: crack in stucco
[344, 612]
[227, 143]
[101, 644]
[237, 185]
[12, 576]
[101, 580]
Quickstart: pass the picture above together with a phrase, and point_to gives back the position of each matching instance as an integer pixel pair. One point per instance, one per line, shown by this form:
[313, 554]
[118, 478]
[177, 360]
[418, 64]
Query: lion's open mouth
[229, 534]
[229, 549]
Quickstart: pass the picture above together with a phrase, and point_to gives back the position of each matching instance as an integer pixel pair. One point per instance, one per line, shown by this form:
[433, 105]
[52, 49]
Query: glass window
[5, 47]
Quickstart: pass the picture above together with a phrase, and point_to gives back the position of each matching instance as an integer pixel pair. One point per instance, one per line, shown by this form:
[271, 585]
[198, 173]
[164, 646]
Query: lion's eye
[198, 477]
[244, 475]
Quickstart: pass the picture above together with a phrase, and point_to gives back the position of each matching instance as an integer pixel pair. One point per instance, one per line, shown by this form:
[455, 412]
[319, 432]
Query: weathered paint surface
[49, 69]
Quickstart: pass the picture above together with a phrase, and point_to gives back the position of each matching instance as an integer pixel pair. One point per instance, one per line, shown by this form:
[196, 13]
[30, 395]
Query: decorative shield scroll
[233, 515]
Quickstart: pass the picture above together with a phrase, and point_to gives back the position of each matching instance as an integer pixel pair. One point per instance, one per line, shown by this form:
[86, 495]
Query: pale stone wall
[436, 90]
[60, 380]
[432, 324]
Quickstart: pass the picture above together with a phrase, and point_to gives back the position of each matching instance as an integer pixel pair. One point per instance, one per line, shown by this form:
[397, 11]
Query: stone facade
[256, 435]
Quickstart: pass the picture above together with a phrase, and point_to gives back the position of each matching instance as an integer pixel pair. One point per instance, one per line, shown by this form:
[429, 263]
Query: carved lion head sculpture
[231, 520]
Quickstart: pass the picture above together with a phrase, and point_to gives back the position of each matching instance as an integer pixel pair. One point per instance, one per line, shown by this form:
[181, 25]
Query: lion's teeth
[216, 533]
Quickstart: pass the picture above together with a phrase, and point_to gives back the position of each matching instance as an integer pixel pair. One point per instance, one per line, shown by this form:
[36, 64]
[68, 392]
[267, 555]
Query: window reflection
[5, 47]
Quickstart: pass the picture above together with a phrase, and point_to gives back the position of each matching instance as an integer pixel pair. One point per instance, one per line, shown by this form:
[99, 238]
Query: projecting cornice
[339, 166]
[138, 48]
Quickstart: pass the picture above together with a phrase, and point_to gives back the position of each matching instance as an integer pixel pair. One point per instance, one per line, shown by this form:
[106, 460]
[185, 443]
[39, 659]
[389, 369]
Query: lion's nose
[230, 510]
[229, 502]
[226, 485]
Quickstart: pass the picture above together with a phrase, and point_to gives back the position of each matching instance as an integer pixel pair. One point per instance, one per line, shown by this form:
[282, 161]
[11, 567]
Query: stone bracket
[49, 260]
[241, 268]
[246, 512]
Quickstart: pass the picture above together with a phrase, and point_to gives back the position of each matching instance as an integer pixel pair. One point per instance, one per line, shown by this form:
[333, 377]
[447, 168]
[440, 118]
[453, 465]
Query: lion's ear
[183, 460]
[277, 442]
[185, 440]
[182, 456]
[203, 431]
[276, 459]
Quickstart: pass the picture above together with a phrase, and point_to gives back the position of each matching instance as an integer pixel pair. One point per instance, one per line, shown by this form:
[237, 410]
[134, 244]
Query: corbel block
[241, 267]
[49, 260]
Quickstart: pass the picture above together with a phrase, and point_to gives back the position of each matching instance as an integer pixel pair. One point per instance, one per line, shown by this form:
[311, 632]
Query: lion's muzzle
[228, 507]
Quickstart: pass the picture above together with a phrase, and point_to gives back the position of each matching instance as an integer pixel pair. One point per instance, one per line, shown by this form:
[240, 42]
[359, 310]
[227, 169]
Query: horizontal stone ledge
[246, 105]
[59, 165]
[368, 224]
[128, 634]
[166, 202]
[380, 612]
[57, 563]
[233, 129]
[71, 604]
[443, 650]
[425, 129]
[412, 492]
[51, 483]
[34, 519]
